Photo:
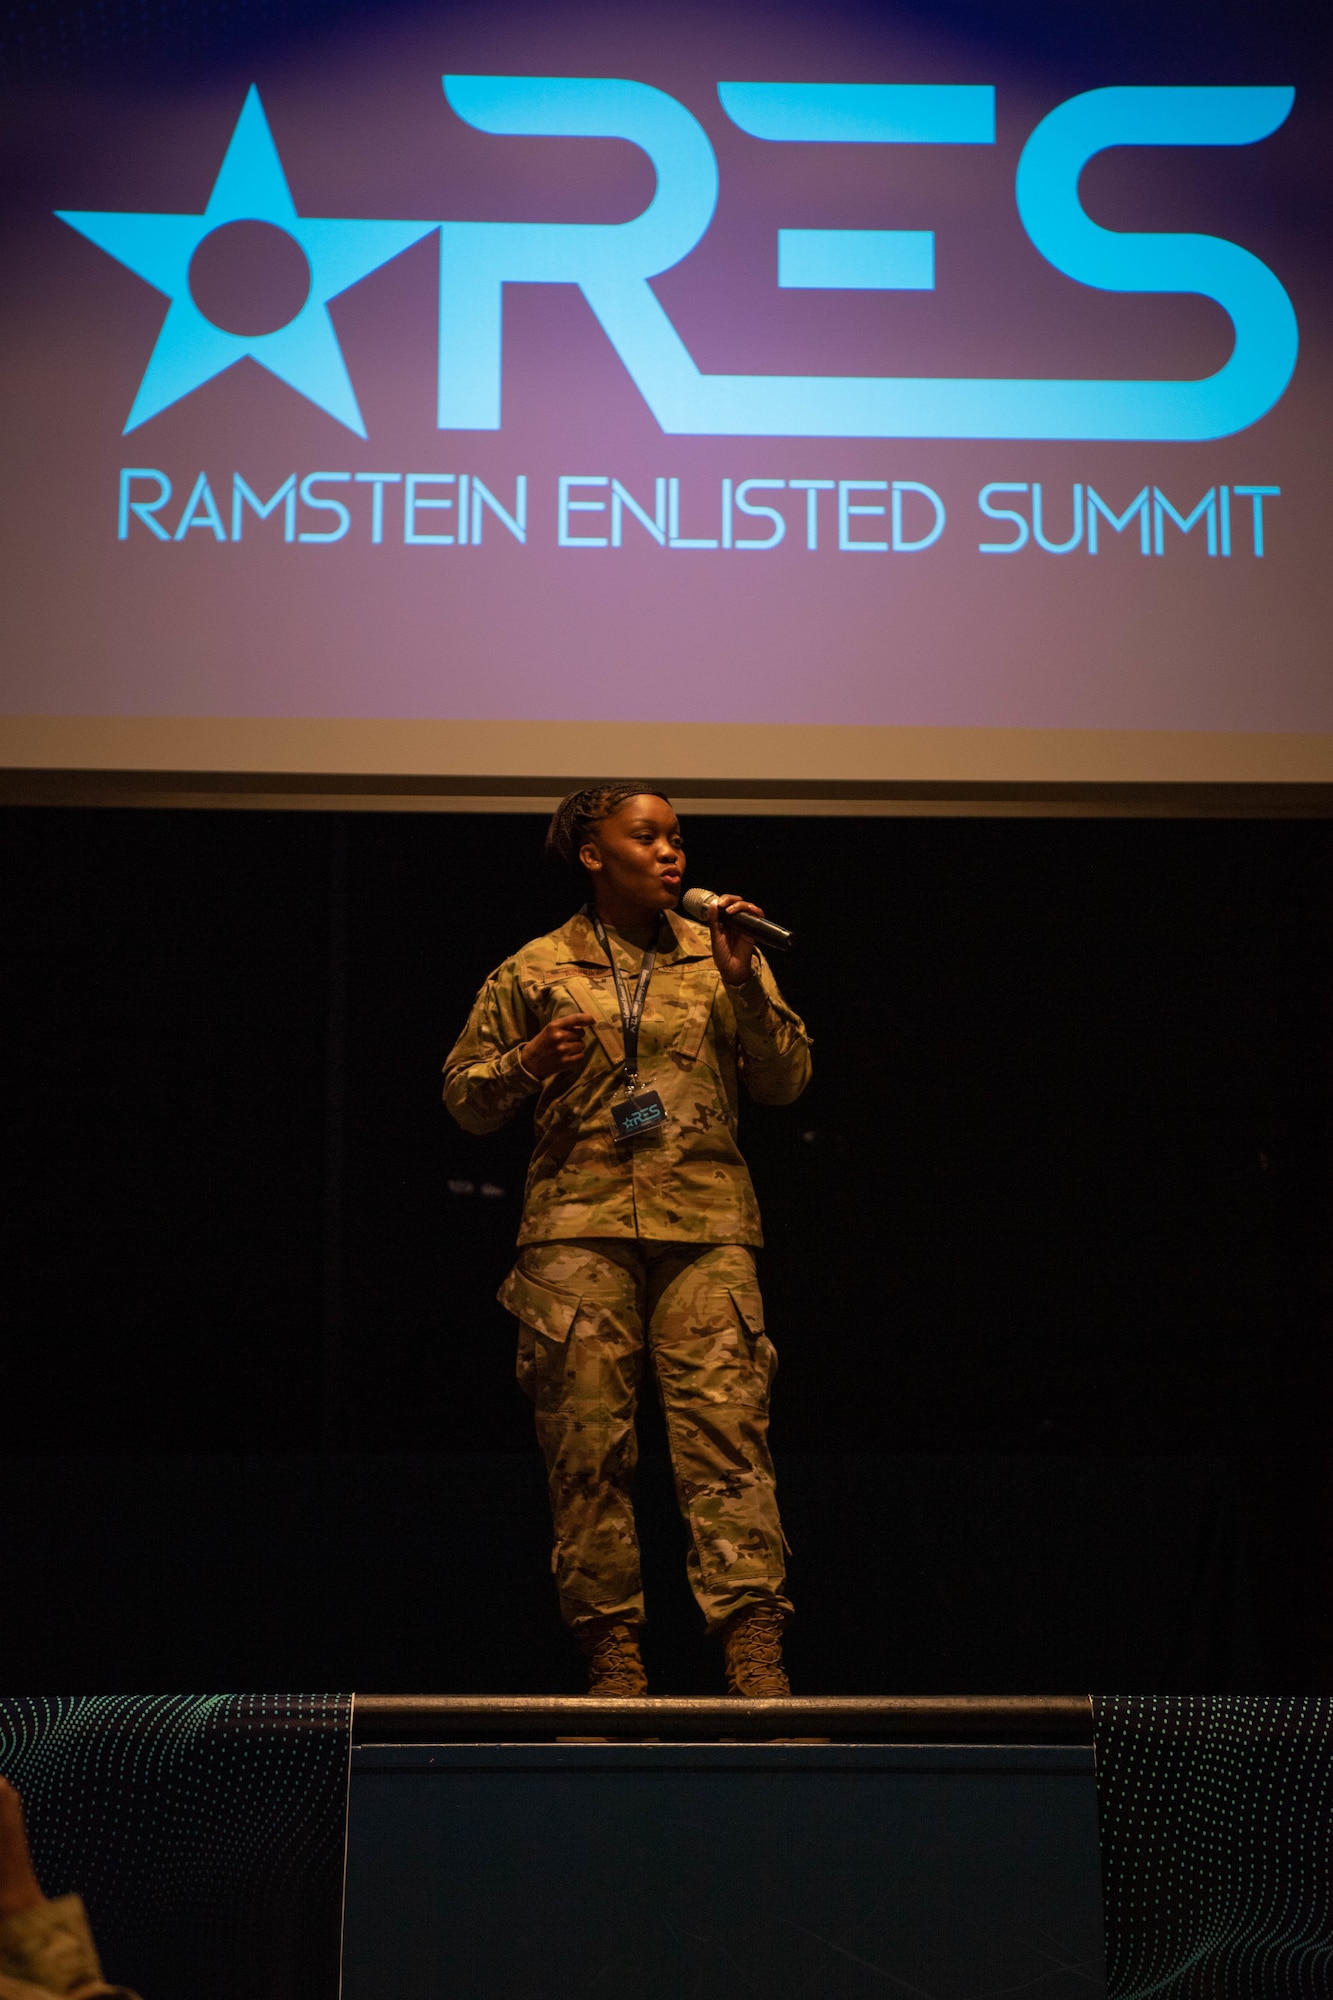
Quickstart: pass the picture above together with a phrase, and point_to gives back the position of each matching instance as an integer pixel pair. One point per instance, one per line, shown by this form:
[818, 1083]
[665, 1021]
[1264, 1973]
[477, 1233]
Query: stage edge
[443, 1718]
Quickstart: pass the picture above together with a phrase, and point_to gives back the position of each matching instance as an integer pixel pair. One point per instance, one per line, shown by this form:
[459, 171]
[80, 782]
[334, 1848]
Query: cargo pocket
[542, 1314]
[749, 1304]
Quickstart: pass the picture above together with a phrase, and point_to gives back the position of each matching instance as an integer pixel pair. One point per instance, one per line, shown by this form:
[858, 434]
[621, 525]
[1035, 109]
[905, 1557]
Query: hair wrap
[577, 814]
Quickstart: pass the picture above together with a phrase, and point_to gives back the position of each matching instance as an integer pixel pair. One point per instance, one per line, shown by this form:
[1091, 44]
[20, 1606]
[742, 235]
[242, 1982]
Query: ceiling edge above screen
[506, 766]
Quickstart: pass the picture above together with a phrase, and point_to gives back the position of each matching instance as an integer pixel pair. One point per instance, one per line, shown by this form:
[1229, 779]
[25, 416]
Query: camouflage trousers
[590, 1312]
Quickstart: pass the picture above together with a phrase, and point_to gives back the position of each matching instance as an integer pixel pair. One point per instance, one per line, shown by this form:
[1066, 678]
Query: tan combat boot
[615, 1664]
[752, 1642]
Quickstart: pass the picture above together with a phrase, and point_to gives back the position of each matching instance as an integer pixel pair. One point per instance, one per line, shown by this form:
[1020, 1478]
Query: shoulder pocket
[549, 1313]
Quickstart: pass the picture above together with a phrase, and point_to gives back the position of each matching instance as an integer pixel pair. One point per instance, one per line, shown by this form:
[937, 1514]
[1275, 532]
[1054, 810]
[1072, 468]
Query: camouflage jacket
[49, 1949]
[698, 1041]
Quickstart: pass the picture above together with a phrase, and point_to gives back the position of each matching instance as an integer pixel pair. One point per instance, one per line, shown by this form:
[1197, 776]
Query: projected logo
[612, 264]
[250, 211]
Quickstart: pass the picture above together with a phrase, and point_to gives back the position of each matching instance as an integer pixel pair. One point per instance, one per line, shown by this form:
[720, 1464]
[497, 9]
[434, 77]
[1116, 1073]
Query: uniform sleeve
[49, 1949]
[484, 1082]
[774, 1046]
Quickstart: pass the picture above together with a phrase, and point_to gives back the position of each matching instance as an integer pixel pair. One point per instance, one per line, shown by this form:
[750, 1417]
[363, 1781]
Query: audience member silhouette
[46, 1945]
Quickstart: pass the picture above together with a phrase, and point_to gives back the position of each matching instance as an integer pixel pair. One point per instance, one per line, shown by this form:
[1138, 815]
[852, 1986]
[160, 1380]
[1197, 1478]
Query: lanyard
[631, 1011]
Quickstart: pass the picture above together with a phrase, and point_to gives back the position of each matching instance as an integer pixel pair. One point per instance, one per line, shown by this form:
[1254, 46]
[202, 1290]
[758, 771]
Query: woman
[631, 1027]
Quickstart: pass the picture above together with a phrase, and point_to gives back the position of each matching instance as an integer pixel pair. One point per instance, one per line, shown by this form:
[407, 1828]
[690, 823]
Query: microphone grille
[695, 903]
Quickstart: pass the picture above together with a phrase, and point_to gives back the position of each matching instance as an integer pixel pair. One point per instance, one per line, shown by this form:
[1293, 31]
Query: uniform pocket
[688, 1041]
[749, 1305]
[585, 998]
[543, 1314]
[547, 1311]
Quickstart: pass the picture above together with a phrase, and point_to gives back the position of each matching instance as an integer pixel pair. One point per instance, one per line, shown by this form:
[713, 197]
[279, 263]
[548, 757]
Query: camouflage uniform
[49, 1949]
[644, 1247]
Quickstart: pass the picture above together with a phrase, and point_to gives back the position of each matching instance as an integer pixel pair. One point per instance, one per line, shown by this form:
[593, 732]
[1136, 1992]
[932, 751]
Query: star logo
[191, 349]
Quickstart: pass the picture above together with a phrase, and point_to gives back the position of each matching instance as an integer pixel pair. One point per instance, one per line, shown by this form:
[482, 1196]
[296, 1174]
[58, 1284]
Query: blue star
[190, 350]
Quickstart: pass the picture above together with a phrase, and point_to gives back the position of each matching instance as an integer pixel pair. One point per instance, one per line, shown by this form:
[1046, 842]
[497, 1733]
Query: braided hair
[576, 815]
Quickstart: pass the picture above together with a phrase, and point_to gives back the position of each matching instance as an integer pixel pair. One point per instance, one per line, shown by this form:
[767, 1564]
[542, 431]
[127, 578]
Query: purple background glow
[947, 637]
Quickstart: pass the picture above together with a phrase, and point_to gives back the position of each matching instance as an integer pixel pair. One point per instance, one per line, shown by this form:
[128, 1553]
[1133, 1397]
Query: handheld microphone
[698, 903]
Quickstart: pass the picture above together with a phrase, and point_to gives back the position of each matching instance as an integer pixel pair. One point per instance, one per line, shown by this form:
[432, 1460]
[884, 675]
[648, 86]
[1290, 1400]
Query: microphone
[698, 903]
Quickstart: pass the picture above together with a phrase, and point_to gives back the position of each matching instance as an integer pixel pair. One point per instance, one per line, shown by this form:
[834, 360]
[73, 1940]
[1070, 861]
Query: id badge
[637, 1115]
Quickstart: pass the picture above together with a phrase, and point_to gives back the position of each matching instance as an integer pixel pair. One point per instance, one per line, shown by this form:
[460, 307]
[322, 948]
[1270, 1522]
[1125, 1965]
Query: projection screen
[825, 398]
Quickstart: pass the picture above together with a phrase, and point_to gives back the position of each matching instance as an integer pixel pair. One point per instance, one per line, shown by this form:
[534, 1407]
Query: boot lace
[614, 1663]
[754, 1654]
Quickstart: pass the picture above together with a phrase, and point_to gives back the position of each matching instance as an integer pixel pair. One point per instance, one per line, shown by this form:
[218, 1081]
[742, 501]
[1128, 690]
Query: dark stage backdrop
[1048, 1265]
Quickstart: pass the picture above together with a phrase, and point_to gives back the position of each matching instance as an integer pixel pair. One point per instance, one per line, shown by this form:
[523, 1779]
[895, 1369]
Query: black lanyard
[631, 1011]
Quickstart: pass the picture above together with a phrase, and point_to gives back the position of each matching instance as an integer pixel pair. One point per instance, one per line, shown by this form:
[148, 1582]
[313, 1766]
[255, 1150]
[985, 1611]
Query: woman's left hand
[733, 949]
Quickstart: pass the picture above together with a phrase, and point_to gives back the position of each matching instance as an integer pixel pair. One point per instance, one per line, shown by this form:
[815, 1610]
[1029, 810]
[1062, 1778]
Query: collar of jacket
[576, 942]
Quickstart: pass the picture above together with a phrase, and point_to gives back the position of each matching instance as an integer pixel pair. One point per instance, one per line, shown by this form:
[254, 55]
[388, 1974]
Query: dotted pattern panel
[1217, 1845]
[206, 1833]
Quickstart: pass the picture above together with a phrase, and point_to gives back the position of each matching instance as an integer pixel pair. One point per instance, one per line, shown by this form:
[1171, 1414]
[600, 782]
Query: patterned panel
[1217, 1837]
[206, 1833]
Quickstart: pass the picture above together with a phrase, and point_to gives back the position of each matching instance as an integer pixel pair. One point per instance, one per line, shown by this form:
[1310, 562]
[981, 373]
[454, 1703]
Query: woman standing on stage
[631, 1027]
